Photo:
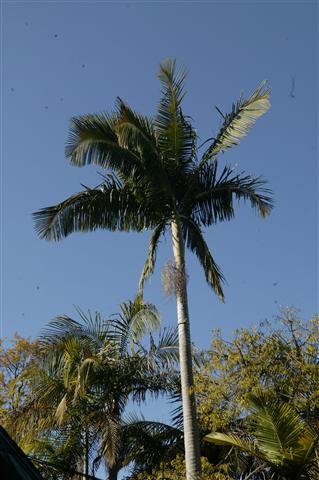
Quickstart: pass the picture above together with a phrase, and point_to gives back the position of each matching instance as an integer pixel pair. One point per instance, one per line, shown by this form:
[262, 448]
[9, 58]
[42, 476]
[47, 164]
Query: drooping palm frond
[151, 258]
[111, 439]
[59, 451]
[93, 140]
[49, 387]
[194, 240]
[92, 332]
[58, 328]
[146, 443]
[176, 415]
[237, 124]
[109, 206]
[214, 200]
[136, 133]
[233, 440]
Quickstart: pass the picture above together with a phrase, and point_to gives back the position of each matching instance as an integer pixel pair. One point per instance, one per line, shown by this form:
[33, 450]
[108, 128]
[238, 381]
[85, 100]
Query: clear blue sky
[67, 58]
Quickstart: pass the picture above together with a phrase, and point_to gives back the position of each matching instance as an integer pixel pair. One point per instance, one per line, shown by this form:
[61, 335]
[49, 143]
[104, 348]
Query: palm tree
[145, 444]
[92, 369]
[278, 438]
[158, 178]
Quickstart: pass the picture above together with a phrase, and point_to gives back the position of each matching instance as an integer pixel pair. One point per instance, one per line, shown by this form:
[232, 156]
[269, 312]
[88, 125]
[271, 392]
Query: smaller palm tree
[93, 368]
[278, 438]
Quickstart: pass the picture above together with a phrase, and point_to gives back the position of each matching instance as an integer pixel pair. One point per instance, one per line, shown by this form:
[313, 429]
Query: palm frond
[61, 410]
[146, 443]
[277, 435]
[232, 440]
[136, 133]
[111, 439]
[194, 240]
[176, 414]
[277, 426]
[237, 124]
[93, 329]
[162, 356]
[175, 135]
[214, 200]
[60, 327]
[167, 347]
[135, 320]
[109, 207]
[93, 140]
[151, 258]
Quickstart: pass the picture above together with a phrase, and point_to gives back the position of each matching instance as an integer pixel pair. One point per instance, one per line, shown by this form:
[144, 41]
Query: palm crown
[157, 172]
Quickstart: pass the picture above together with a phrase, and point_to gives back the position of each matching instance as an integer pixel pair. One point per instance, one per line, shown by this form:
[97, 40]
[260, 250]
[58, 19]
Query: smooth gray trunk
[191, 437]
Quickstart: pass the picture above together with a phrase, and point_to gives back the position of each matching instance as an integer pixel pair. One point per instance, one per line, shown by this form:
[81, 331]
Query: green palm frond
[194, 240]
[167, 346]
[172, 80]
[93, 140]
[135, 320]
[151, 258]
[111, 439]
[148, 442]
[313, 471]
[93, 327]
[49, 386]
[59, 327]
[278, 436]
[108, 206]
[93, 330]
[175, 136]
[214, 201]
[283, 437]
[61, 410]
[62, 450]
[163, 354]
[276, 425]
[136, 133]
[232, 440]
[88, 365]
[237, 124]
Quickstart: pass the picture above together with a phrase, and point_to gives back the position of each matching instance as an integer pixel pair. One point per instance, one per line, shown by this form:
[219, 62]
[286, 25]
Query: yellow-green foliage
[18, 363]
[282, 359]
[175, 470]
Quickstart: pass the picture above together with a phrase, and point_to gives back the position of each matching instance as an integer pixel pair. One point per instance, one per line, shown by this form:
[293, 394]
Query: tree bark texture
[191, 437]
[85, 454]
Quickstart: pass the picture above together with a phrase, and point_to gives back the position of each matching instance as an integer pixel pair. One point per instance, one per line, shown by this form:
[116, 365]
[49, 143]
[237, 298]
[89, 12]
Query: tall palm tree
[280, 440]
[158, 178]
[92, 369]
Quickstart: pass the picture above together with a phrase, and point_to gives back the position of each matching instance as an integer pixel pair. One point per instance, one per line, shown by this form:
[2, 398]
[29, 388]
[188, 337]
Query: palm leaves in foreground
[92, 369]
[278, 438]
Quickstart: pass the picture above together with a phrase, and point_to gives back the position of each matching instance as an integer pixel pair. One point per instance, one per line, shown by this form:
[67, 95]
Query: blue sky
[61, 59]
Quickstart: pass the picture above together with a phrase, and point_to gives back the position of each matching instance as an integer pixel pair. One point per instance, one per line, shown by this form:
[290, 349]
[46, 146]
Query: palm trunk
[113, 473]
[191, 437]
[85, 455]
